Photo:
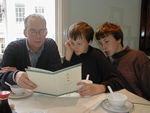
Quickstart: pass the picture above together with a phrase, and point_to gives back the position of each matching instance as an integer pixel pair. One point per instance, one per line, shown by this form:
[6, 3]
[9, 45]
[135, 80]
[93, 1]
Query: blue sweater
[16, 55]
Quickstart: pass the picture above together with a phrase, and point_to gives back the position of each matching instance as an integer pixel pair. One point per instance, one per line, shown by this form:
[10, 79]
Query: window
[20, 12]
[2, 31]
[61, 24]
[1, 14]
[14, 12]
[39, 10]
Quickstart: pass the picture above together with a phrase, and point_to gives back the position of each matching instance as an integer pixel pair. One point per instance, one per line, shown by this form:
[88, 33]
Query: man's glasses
[40, 32]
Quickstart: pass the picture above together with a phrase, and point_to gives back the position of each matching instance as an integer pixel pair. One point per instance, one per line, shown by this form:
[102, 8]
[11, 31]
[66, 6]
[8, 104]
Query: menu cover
[55, 83]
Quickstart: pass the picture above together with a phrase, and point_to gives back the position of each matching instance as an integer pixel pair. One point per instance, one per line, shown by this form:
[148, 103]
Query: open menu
[55, 83]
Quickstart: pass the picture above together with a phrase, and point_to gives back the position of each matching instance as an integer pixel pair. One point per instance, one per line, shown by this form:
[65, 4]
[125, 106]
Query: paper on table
[94, 102]
[56, 83]
[83, 105]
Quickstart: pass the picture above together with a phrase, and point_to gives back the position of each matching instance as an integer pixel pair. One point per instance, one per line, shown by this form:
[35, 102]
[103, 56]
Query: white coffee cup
[17, 90]
[117, 99]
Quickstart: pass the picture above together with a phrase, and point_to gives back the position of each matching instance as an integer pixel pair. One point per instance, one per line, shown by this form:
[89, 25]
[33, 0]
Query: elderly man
[36, 51]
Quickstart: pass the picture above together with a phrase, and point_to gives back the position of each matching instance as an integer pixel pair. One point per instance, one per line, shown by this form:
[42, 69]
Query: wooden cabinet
[144, 44]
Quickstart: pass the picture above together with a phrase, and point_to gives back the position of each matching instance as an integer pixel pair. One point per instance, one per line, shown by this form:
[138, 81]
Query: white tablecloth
[73, 103]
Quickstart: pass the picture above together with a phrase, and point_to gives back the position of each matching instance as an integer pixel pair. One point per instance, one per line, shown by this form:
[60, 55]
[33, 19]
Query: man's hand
[69, 50]
[89, 89]
[23, 81]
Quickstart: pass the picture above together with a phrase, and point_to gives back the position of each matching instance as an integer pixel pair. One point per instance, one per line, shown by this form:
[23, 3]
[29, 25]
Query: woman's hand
[69, 50]
[89, 89]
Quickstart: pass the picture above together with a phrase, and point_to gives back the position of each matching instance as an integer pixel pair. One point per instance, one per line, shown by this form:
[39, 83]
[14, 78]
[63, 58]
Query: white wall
[126, 13]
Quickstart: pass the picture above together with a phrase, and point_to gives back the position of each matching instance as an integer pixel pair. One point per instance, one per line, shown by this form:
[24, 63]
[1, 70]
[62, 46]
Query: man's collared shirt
[34, 56]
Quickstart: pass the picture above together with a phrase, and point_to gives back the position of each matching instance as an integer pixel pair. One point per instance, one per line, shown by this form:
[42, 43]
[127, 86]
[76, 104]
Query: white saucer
[128, 107]
[25, 94]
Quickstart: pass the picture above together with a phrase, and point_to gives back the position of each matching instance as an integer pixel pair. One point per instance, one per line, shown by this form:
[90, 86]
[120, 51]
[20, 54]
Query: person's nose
[38, 34]
[75, 47]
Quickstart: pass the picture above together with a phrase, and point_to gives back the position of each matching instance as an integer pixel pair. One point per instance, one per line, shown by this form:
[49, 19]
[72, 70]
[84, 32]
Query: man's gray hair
[33, 15]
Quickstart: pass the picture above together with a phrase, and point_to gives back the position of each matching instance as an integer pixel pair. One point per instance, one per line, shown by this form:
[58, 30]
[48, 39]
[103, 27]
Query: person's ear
[119, 41]
[90, 42]
[46, 33]
[25, 33]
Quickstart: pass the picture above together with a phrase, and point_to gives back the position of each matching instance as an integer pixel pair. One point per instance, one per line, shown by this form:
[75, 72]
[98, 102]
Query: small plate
[128, 107]
[25, 94]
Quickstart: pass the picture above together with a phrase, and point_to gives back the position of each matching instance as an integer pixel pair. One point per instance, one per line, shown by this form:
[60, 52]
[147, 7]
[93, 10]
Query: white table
[72, 103]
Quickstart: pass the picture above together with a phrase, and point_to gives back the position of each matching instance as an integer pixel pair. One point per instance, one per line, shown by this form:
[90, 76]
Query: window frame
[61, 8]
[20, 15]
